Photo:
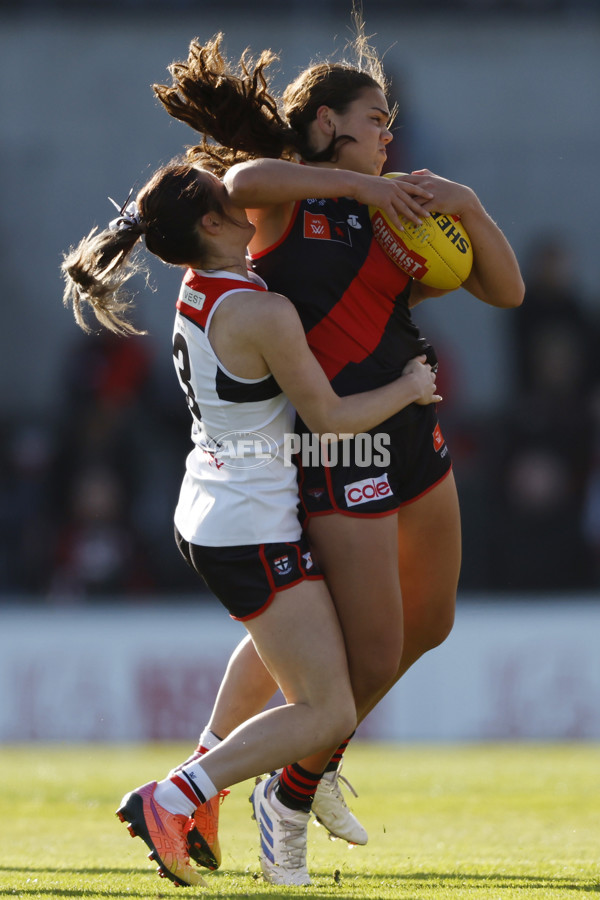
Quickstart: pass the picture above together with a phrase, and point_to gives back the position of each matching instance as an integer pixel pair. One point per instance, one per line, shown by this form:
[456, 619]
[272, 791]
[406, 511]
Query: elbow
[515, 288]
[327, 428]
[511, 296]
[517, 295]
[317, 425]
[240, 182]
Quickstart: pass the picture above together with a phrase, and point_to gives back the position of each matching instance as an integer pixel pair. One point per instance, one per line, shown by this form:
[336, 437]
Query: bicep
[295, 368]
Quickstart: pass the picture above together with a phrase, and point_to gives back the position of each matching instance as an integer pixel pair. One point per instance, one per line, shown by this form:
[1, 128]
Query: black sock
[297, 786]
[336, 759]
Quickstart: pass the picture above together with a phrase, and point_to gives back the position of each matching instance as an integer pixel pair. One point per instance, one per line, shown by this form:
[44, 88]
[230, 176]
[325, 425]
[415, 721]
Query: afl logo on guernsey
[318, 226]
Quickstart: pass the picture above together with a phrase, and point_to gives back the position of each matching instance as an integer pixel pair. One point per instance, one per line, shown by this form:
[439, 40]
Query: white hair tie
[129, 215]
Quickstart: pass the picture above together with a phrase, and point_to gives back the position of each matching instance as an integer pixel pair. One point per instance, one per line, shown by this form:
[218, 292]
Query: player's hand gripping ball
[438, 252]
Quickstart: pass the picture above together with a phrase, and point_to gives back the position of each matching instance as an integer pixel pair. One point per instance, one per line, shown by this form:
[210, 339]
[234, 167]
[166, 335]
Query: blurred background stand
[498, 94]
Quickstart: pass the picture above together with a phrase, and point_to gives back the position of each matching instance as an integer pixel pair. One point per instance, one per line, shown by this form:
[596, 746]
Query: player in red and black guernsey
[306, 167]
[354, 305]
[352, 300]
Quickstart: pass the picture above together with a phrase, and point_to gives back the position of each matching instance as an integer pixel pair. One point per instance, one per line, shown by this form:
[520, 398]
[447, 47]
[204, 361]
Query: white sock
[208, 739]
[178, 801]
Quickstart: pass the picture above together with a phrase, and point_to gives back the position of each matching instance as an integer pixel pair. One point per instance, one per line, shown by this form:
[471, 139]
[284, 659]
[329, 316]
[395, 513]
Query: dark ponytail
[166, 212]
[96, 272]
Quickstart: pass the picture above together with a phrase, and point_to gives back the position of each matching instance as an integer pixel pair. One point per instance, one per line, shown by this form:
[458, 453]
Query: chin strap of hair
[129, 215]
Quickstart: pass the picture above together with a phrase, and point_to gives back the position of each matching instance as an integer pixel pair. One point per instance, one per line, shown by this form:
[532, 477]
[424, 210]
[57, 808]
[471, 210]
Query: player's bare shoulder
[258, 314]
[268, 305]
[271, 319]
[280, 312]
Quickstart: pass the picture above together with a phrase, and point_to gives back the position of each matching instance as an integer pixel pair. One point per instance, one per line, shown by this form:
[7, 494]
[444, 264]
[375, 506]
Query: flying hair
[95, 274]
[366, 57]
[230, 105]
[239, 115]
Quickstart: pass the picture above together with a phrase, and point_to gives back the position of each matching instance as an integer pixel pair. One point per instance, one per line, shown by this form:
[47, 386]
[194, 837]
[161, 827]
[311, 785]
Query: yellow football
[438, 252]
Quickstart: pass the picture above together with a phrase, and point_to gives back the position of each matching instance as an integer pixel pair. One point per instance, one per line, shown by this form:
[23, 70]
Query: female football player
[244, 365]
[305, 167]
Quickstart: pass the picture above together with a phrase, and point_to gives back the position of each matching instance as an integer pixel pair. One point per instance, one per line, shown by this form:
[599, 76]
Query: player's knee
[376, 674]
[427, 632]
[338, 718]
[442, 628]
[342, 724]
[437, 628]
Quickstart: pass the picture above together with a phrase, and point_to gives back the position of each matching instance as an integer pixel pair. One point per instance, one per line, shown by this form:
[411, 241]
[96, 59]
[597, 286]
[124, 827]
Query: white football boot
[331, 810]
[282, 836]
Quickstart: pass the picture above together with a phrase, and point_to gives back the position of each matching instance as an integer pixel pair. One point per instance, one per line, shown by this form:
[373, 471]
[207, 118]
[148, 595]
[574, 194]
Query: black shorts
[246, 578]
[378, 472]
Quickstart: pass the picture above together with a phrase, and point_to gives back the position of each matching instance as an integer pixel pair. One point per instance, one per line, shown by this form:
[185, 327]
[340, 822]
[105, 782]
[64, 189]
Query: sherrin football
[438, 252]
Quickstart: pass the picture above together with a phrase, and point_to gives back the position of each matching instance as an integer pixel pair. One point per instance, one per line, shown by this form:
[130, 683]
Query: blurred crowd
[86, 500]
[529, 473]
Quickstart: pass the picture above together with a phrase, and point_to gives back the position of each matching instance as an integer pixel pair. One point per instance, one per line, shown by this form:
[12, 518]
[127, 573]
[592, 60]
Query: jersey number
[182, 364]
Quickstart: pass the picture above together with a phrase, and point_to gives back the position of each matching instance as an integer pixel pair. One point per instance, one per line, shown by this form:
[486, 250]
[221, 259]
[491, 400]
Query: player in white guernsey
[239, 488]
[242, 358]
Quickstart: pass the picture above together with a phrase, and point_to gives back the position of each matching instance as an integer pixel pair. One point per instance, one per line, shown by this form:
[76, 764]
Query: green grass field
[459, 821]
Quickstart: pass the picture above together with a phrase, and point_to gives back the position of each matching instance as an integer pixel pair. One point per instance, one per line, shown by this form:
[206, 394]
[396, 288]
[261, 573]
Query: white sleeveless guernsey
[237, 488]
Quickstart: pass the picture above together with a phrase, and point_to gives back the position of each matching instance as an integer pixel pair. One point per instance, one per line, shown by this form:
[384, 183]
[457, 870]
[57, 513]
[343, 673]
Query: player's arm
[268, 189]
[495, 277]
[277, 334]
[419, 292]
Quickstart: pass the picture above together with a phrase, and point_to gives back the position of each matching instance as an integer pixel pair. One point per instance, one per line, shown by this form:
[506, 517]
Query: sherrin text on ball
[438, 252]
